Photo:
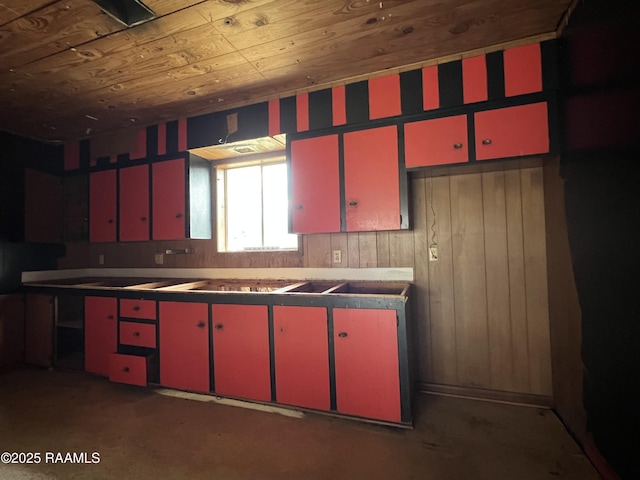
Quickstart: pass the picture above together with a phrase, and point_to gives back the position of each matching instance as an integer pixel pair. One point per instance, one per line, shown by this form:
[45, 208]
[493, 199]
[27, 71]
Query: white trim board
[401, 274]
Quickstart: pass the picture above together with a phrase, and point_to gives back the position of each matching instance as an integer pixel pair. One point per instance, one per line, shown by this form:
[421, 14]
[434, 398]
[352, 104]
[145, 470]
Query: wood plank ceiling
[68, 70]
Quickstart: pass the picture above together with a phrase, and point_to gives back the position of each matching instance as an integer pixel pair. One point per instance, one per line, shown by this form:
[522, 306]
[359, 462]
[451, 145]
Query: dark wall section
[601, 168]
[18, 154]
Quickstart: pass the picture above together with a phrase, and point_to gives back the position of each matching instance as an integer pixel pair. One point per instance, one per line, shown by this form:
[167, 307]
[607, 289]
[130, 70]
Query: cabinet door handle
[457, 146]
[486, 141]
[353, 203]
[342, 334]
[110, 220]
[143, 219]
[200, 325]
[178, 215]
[136, 334]
[136, 308]
[125, 369]
[298, 207]
[218, 326]
[110, 317]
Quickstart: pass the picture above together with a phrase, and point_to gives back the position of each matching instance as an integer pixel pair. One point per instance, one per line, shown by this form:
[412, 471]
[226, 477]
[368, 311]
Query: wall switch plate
[337, 256]
[159, 258]
[101, 259]
[433, 253]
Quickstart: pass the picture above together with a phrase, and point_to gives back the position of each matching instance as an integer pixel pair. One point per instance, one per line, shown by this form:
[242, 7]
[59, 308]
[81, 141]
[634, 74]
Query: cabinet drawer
[138, 308]
[131, 369]
[138, 334]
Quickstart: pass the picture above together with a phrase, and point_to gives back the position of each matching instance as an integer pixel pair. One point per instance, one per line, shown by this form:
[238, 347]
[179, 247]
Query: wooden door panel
[184, 346]
[315, 184]
[134, 203]
[512, 131]
[241, 358]
[102, 206]
[371, 177]
[169, 200]
[100, 333]
[301, 356]
[366, 359]
[440, 141]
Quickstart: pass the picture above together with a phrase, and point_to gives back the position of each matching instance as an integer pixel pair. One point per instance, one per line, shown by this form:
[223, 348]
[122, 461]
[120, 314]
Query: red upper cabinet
[181, 198]
[366, 363]
[522, 70]
[102, 206]
[440, 141]
[301, 356]
[184, 345]
[512, 131]
[241, 358]
[371, 179]
[134, 203]
[100, 333]
[315, 196]
[169, 199]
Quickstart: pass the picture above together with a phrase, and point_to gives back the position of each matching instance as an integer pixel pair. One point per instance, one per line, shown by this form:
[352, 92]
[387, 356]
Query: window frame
[220, 168]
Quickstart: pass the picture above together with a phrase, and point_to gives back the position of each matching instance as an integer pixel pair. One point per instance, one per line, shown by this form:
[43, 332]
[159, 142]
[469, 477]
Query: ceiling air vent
[128, 12]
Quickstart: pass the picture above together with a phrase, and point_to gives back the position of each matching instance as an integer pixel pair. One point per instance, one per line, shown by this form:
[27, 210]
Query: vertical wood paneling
[469, 280]
[421, 272]
[368, 249]
[444, 359]
[401, 248]
[497, 275]
[536, 280]
[517, 293]
[318, 250]
[353, 250]
[382, 246]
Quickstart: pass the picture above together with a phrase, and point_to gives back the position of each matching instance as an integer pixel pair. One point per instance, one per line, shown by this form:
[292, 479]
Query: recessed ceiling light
[128, 12]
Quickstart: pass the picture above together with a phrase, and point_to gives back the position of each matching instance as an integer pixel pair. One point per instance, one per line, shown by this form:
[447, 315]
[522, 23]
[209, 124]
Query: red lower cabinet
[366, 363]
[184, 346]
[100, 333]
[131, 369]
[241, 360]
[301, 356]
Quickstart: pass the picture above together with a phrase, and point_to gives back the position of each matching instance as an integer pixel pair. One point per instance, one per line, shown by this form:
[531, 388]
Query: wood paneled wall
[481, 316]
[481, 310]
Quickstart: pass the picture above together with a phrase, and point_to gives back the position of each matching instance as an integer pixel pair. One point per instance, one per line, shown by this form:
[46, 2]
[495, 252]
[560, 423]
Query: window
[253, 207]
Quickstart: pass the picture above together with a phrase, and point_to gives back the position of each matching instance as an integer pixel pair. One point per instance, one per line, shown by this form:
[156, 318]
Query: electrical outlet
[337, 256]
[433, 253]
[101, 259]
[159, 258]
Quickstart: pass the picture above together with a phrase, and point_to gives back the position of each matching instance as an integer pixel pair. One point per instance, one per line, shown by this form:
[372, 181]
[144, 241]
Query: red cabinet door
[440, 141]
[512, 131]
[102, 206]
[315, 196]
[168, 199]
[371, 179]
[184, 346]
[241, 361]
[100, 333]
[134, 203]
[366, 361]
[301, 356]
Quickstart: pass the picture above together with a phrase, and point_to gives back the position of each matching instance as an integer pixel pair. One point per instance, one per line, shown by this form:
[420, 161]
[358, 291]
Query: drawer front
[138, 308]
[129, 369]
[138, 334]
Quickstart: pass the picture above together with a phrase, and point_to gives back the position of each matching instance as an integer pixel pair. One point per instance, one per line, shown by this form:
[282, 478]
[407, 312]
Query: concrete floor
[143, 435]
